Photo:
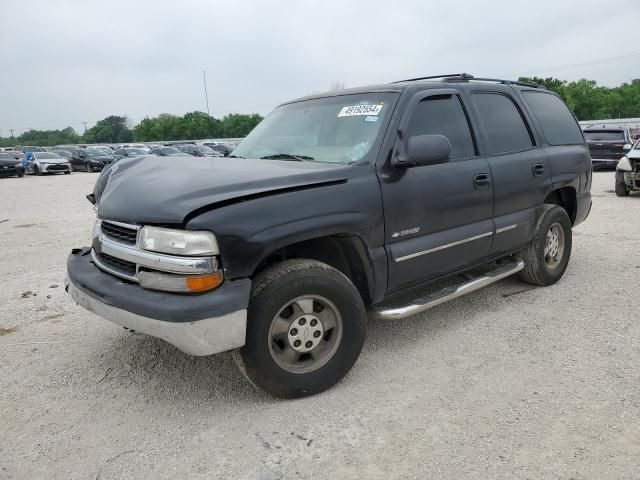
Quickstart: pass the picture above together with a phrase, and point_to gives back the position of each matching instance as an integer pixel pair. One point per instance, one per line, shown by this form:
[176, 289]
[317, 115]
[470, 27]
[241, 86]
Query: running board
[507, 267]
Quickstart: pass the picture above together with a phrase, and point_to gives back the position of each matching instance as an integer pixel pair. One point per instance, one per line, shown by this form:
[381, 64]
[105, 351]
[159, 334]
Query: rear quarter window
[556, 121]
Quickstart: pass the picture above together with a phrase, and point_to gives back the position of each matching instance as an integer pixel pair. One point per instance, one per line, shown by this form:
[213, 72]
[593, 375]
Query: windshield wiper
[287, 156]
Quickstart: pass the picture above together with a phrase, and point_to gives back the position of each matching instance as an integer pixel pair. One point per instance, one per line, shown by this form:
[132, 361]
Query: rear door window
[503, 124]
[556, 121]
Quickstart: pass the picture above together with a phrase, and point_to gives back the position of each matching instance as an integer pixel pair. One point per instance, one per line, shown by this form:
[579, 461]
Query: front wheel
[621, 188]
[306, 327]
[36, 170]
[547, 255]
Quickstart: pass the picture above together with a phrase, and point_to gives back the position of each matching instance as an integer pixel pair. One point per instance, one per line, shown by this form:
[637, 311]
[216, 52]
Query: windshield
[94, 152]
[203, 149]
[171, 151]
[136, 151]
[605, 135]
[340, 129]
[5, 156]
[47, 155]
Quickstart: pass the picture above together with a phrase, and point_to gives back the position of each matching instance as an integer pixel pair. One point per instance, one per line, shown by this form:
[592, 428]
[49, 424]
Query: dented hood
[164, 190]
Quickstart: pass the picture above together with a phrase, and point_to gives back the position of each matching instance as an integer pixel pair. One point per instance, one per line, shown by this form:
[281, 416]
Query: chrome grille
[120, 232]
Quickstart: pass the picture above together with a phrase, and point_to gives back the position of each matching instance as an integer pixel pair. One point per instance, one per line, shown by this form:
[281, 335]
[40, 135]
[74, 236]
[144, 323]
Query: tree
[112, 129]
[237, 125]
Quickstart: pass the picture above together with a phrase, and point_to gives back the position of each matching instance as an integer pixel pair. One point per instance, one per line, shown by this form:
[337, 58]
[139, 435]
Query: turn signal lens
[203, 282]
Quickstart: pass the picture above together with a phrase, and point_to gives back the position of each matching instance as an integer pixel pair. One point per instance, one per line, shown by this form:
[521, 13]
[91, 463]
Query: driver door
[438, 218]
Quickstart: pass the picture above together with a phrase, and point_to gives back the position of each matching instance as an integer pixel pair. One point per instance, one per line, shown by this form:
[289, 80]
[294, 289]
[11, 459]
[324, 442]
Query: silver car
[47, 162]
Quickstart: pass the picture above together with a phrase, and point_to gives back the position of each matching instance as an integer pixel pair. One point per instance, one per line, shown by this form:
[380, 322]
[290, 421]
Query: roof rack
[465, 77]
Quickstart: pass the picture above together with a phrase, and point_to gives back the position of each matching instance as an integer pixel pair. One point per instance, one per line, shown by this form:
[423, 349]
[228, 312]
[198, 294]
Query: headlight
[178, 242]
[624, 164]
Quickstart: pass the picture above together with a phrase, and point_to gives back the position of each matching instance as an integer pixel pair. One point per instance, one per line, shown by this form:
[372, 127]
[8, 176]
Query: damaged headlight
[178, 242]
[624, 164]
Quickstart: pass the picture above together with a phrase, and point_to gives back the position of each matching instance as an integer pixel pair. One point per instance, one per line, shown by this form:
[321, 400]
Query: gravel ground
[508, 382]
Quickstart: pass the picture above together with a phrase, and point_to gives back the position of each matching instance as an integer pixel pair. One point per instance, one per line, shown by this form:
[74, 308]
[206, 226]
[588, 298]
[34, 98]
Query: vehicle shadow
[157, 368]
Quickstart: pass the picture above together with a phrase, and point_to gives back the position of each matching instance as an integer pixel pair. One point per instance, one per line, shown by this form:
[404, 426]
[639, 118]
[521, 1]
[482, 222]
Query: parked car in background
[40, 163]
[165, 151]
[9, 166]
[223, 148]
[129, 152]
[199, 151]
[607, 146]
[63, 152]
[90, 159]
[15, 154]
[628, 172]
[134, 145]
[32, 149]
[105, 150]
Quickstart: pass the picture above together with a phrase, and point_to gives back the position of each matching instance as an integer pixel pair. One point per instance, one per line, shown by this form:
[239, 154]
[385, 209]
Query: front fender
[248, 232]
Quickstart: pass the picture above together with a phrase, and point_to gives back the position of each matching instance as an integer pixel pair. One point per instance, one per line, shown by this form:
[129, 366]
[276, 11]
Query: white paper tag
[356, 110]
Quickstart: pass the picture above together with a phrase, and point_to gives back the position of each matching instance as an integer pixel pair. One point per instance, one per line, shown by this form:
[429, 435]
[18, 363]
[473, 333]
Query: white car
[47, 162]
[628, 171]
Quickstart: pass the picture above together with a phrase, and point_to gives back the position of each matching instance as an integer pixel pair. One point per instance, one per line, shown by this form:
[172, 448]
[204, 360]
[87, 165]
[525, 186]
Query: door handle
[537, 170]
[481, 180]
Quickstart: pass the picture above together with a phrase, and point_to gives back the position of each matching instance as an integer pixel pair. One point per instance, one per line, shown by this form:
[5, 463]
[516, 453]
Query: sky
[75, 61]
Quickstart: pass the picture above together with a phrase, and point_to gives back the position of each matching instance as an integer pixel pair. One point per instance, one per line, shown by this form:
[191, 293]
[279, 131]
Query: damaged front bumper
[197, 324]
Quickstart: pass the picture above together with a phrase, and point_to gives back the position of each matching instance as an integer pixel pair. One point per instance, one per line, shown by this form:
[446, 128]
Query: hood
[164, 190]
[5, 162]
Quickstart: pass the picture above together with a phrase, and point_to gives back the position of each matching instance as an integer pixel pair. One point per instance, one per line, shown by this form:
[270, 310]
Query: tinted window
[604, 135]
[443, 115]
[503, 124]
[47, 155]
[556, 121]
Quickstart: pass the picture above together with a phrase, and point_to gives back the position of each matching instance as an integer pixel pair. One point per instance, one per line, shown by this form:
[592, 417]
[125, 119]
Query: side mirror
[627, 147]
[424, 150]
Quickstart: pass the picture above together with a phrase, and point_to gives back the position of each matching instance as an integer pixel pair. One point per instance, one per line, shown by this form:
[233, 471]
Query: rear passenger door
[519, 168]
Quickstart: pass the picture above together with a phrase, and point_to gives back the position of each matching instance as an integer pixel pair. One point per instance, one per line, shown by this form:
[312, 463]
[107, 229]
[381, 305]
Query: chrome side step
[507, 267]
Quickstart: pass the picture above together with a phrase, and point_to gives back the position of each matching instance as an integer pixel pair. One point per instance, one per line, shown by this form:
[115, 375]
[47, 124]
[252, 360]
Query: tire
[541, 267]
[283, 296]
[67, 172]
[20, 174]
[36, 170]
[621, 189]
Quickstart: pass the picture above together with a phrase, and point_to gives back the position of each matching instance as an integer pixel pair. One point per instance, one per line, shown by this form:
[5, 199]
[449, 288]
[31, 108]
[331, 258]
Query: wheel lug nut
[296, 343]
[316, 334]
[309, 344]
[302, 321]
[313, 322]
[294, 332]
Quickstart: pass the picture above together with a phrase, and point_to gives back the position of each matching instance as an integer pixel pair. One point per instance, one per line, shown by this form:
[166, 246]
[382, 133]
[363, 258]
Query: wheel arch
[348, 253]
[565, 197]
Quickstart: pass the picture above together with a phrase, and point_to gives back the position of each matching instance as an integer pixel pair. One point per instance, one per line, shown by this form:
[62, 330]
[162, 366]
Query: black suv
[336, 208]
[607, 145]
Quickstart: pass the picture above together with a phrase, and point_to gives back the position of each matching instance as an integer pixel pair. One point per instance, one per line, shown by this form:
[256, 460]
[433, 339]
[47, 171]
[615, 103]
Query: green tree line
[114, 129]
[591, 102]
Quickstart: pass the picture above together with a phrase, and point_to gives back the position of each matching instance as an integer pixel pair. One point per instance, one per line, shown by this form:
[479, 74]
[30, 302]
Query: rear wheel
[547, 256]
[305, 329]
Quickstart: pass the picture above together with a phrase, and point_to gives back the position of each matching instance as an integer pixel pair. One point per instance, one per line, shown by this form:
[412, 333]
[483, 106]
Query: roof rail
[449, 75]
[465, 77]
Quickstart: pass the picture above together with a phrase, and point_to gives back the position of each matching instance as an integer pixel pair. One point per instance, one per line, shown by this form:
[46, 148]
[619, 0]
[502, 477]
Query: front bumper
[197, 324]
[54, 167]
[605, 162]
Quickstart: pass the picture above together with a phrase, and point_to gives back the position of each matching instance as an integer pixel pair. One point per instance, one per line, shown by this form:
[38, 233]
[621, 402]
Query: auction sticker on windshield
[355, 110]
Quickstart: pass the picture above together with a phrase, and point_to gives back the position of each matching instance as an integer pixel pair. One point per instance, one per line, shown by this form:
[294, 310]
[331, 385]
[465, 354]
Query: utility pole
[206, 97]
[85, 126]
[11, 130]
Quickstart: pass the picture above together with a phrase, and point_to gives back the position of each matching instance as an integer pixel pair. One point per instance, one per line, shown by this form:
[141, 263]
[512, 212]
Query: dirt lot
[509, 382]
